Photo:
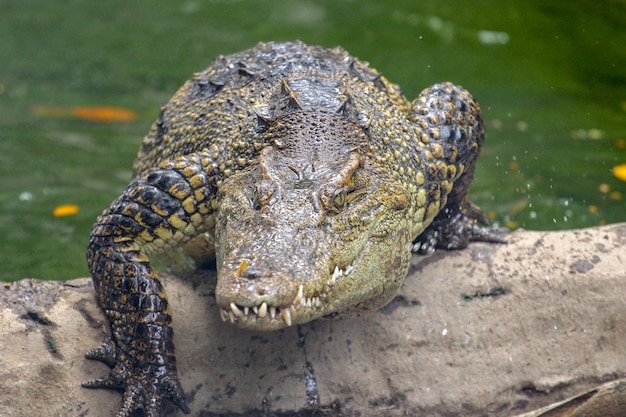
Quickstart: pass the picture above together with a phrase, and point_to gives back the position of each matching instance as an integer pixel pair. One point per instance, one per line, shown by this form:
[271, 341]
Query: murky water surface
[81, 82]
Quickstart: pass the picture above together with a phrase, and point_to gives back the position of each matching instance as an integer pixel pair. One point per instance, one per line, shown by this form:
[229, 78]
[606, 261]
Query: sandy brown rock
[494, 330]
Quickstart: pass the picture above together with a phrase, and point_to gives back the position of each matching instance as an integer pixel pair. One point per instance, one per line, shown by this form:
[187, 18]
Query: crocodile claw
[103, 353]
[147, 392]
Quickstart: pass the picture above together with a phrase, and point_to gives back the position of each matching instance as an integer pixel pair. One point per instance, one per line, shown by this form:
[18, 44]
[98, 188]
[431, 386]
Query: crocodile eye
[333, 199]
[339, 200]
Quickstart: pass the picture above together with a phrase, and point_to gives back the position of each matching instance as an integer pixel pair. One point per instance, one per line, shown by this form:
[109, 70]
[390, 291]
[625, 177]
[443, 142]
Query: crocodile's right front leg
[164, 207]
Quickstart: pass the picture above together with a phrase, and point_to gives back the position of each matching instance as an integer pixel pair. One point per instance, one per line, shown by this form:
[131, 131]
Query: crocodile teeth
[333, 278]
[338, 273]
[300, 296]
[236, 311]
[286, 316]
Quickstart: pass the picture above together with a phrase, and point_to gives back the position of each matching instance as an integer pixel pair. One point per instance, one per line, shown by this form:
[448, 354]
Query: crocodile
[312, 179]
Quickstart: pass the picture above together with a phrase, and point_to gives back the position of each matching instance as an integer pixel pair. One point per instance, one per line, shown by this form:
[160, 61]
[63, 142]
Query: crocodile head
[313, 228]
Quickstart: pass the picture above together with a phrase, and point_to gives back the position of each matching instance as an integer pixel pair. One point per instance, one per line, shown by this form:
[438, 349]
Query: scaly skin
[316, 178]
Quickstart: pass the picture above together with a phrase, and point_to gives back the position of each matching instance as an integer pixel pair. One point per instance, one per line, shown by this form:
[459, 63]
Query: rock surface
[494, 330]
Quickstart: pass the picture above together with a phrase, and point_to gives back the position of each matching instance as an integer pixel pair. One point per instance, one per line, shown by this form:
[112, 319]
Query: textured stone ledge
[494, 330]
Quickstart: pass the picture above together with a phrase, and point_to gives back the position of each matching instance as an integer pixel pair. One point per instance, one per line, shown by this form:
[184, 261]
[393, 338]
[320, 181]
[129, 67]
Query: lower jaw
[280, 319]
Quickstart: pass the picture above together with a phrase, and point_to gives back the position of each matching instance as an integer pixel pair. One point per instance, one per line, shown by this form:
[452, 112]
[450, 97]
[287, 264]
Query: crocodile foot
[144, 385]
[454, 228]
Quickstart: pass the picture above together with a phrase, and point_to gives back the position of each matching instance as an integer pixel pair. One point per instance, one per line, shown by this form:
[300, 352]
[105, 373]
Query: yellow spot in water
[511, 224]
[96, 113]
[104, 114]
[586, 134]
[592, 208]
[619, 172]
[615, 195]
[604, 188]
[65, 210]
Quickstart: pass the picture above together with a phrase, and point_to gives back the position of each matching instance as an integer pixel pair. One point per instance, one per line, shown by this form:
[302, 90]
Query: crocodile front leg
[164, 207]
[450, 113]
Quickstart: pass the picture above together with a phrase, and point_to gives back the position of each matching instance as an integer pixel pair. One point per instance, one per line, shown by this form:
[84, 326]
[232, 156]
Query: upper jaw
[242, 305]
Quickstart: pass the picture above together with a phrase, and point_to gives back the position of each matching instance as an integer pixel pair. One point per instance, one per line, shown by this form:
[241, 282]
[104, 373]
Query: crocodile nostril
[252, 272]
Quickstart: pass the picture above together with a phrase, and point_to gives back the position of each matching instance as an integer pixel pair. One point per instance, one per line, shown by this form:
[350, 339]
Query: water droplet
[26, 196]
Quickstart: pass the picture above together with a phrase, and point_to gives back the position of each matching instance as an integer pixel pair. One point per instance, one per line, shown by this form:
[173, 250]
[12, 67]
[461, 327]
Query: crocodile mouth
[274, 317]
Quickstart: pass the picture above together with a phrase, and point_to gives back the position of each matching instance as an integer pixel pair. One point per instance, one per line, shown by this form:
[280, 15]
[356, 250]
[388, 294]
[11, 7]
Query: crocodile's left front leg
[164, 207]
[450, 113]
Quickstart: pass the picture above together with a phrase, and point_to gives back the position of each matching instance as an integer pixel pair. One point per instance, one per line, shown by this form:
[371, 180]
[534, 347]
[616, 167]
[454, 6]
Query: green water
[551, 80]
